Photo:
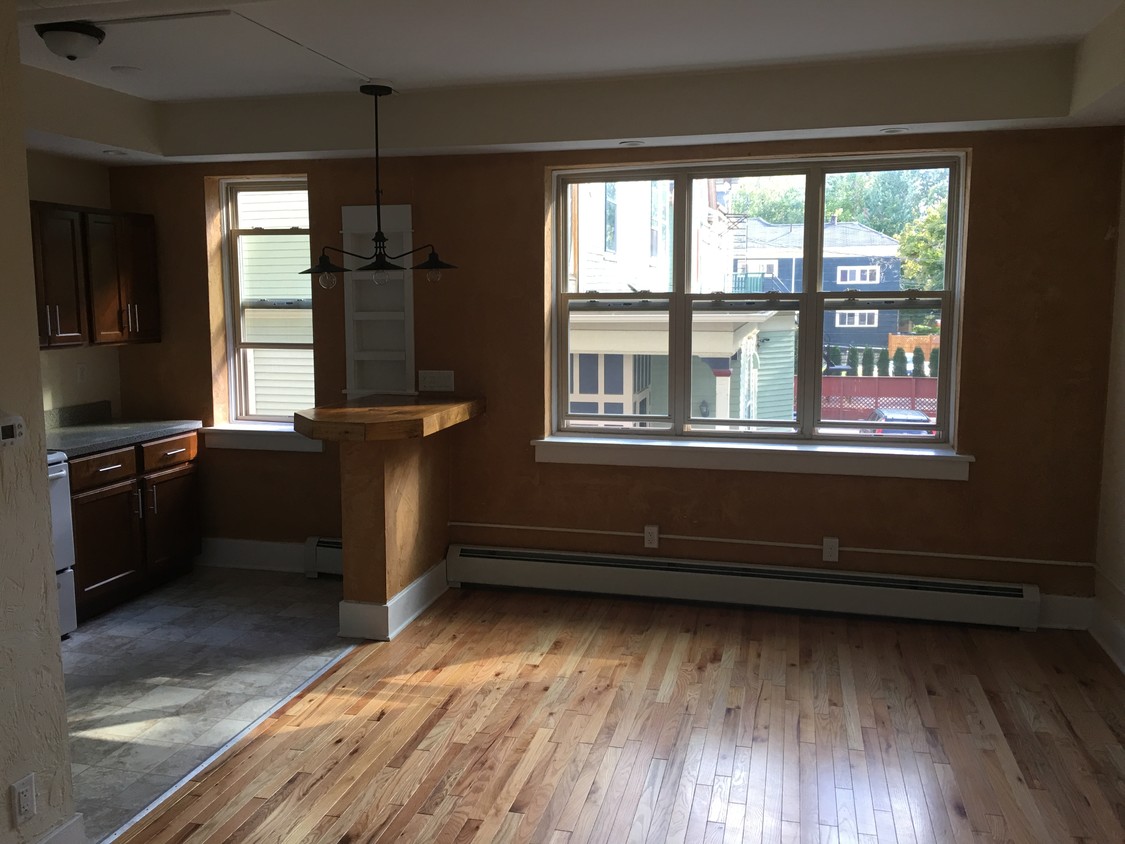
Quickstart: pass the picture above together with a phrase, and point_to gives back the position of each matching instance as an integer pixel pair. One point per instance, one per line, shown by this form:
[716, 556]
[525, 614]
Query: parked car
[894, 414]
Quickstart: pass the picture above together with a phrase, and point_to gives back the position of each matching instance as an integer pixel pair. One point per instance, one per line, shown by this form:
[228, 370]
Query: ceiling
[271, 47]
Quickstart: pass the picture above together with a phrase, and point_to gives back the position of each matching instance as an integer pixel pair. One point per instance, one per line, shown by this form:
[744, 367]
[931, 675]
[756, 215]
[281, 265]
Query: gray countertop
[80, 440]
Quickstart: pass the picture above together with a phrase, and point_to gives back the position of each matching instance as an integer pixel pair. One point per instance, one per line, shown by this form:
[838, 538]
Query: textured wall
[32, 714]
[1111, 526]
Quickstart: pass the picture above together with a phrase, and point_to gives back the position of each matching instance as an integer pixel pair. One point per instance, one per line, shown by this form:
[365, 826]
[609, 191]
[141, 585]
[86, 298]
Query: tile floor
[156, 686]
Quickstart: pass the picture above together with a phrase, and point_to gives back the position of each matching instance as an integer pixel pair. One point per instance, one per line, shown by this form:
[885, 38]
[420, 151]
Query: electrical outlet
[435, 380]
[652, 536]
[831, 549]
[23, 799]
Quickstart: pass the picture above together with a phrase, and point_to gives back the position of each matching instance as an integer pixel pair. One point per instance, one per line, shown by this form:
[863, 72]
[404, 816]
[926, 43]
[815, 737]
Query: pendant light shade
[71, 39]
[379, 262]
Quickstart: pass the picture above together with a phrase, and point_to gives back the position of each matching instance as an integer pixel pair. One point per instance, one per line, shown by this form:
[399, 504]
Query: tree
[919, 362]
[770, 204]
[883, 367]
[833, 356]
[922, 249]
[886, 200]
[853, 360]
[899, 362]
[868, 361]
[934, 362]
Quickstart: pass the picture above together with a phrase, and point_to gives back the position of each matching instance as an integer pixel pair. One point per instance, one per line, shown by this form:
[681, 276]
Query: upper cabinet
[60, 272]
[95, 274]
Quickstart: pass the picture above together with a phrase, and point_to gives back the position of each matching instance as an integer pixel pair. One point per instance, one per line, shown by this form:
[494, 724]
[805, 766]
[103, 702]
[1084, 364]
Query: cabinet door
[172, 531]
[136, 248]
[108, 556]
[109, 321]
[59, 273]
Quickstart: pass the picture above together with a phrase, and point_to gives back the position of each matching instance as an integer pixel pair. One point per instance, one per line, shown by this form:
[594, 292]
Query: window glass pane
[885, 374]
[885, 229]
[277, 382]
[272, 209]
[269, 267]
[619, 236]
[619, 351]
[274, 325]
[743, 361]
[747, 234]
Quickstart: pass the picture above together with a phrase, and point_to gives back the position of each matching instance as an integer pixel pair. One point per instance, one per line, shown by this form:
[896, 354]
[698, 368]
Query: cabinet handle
[174, 452]
[58, 321]
[152, 489]
[140, 511]
[110, 468]
[47, 308]
[137, 317]
[129, 317]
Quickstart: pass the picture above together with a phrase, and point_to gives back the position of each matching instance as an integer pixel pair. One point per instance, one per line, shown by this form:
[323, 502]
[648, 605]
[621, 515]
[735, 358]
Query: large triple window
[269, 303]
[812, 300]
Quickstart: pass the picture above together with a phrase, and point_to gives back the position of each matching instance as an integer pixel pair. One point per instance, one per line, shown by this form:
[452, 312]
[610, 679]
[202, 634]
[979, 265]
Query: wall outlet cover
[435, 380]
[23, 799]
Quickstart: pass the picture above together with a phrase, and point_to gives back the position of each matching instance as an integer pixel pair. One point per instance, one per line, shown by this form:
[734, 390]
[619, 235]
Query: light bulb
[380, 276]
[433, 275]
[327, 280]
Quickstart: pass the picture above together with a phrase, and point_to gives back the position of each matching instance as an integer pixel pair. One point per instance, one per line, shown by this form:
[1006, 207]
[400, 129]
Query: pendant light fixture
[379, 262]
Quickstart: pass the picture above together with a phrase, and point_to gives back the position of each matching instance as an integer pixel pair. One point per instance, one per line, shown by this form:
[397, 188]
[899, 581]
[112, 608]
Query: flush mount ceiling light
[379, 262]
[71, 39]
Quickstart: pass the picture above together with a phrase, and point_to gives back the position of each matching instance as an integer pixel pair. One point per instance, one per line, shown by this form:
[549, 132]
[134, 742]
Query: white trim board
[1110, 634]
[382, 622]
[72, 831]
[252, 554]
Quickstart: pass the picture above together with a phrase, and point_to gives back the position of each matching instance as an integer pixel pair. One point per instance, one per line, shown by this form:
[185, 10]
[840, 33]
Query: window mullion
[812, 311]
[679, 317]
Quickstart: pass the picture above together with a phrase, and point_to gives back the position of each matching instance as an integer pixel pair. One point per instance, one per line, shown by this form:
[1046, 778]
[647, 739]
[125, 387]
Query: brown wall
[1040, 263]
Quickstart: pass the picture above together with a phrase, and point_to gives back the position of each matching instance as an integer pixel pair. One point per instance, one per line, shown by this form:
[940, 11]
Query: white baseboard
[1066, 612]
[382, 622]
[1110, 634]
[252, 554]
[72, 831]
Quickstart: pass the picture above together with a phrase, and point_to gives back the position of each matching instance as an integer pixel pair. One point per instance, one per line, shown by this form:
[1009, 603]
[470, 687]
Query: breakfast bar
[394, 485]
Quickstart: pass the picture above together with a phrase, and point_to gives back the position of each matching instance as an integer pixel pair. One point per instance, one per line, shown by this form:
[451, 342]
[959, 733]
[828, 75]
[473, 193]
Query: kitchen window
[269, 302]
[733, 325]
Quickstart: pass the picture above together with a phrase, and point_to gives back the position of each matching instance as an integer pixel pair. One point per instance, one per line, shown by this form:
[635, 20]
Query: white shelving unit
[379, 317]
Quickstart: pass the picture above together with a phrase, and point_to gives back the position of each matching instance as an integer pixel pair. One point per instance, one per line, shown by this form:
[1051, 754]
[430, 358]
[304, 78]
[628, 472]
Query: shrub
[884, 364]
[934, 362]
[868, 361]
[919, 362]
[899, 362]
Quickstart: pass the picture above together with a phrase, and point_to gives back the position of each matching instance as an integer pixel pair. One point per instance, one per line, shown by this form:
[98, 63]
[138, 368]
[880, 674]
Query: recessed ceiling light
[125, 68]
[894, 130]
[631, 143]
[114, 152]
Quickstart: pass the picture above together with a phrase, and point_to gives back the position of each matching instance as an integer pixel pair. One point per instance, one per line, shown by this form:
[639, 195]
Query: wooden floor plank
[502, 716]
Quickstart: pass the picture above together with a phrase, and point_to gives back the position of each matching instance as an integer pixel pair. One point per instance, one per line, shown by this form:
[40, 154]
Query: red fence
[850, 397]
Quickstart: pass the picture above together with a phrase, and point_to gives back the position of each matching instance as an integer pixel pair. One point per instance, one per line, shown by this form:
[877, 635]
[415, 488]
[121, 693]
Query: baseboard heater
[933, 599]
[323, 555]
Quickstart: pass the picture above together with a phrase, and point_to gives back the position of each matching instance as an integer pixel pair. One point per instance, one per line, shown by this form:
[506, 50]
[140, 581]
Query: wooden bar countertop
[386, 417]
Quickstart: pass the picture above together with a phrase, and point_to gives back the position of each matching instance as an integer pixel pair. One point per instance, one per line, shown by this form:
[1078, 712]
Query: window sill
[260, 436]
[939, 463]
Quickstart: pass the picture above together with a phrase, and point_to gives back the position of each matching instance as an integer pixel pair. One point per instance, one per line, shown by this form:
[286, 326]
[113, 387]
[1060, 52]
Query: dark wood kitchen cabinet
[108, 260]
[136, 519]
[60, 274]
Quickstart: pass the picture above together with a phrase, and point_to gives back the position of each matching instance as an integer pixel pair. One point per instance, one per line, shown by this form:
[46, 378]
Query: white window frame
[238, 379]
[870, 270]
[811, 304]
[841, 319]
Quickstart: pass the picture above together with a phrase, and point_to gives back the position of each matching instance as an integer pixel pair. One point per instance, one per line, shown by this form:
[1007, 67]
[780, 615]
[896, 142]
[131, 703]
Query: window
[728, 330]
[857, 275]
[856, 319]
[269, 302]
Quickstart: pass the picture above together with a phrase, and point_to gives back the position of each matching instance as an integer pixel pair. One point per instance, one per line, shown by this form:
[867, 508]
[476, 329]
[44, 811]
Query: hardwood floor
[512, 716]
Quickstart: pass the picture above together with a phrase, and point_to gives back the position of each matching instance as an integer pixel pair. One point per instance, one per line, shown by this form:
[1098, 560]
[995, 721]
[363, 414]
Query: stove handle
[57, 475]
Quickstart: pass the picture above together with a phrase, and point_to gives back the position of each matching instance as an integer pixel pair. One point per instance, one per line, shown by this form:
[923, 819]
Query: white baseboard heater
[933, 599]
[323, 555]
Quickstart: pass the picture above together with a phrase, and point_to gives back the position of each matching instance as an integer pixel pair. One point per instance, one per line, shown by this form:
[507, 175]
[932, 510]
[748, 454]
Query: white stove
[62, 539]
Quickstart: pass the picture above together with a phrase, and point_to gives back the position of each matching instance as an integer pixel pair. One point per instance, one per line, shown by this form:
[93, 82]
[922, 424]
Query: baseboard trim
[1110, 634]
[72, 831]
[252, 554]
[1066, 612]
[382, 622]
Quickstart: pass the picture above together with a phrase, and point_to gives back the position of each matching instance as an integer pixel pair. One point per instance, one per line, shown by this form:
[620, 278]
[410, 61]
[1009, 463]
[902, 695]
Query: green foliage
[887, 200]
[919, 362]
[833, 356]
[934, 361]
[771, 205]
[883, 365]
[854, 360]
[868, 361]
[899, 362]
[922, 248]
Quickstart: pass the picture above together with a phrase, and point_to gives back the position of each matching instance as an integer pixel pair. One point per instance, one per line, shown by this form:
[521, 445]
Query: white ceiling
[421, 44]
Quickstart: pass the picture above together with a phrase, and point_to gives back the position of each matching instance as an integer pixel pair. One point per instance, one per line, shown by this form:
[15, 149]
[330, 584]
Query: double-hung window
[772, 306]
[269, 302]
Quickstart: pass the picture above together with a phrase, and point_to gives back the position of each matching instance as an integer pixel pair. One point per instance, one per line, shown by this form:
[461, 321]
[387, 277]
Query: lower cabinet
[133, 533]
